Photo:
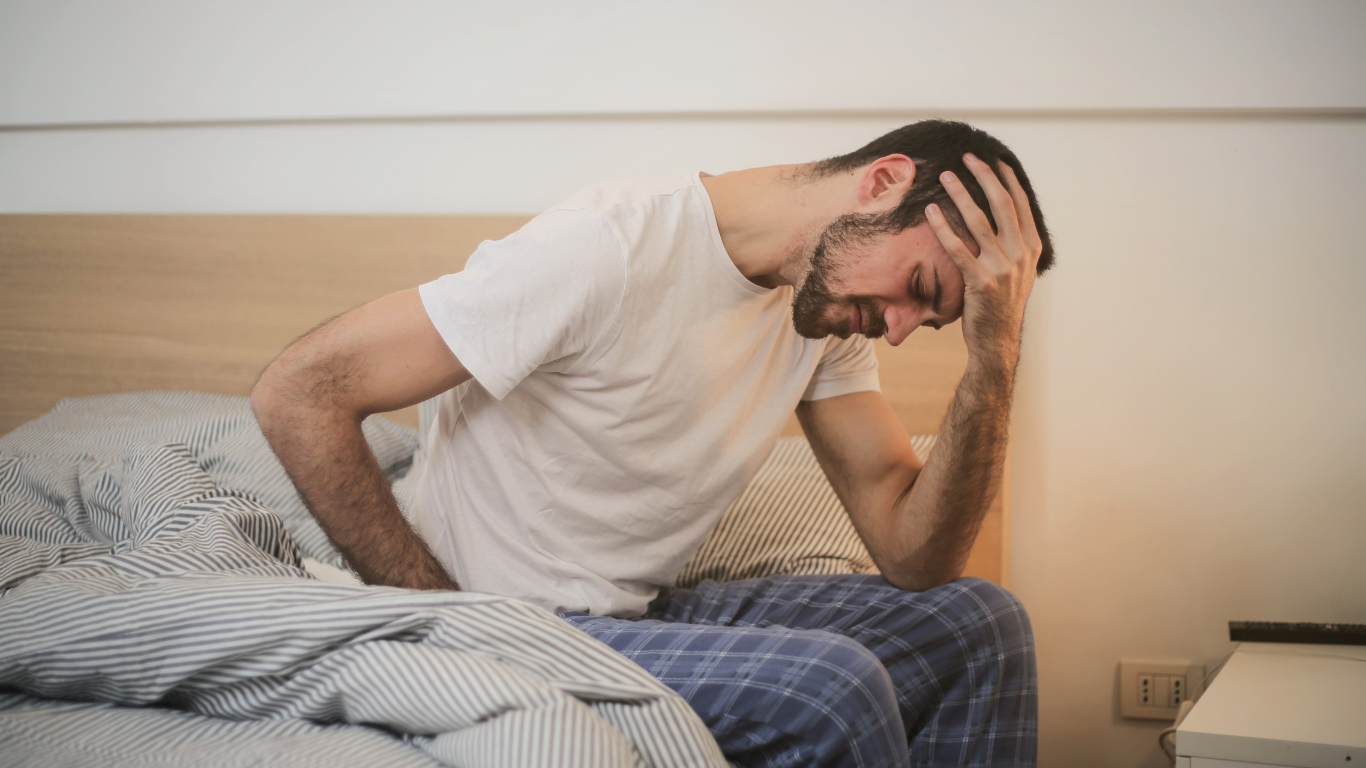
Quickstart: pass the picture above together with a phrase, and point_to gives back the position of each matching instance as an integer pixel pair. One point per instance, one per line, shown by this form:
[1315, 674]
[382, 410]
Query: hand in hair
[998, 282]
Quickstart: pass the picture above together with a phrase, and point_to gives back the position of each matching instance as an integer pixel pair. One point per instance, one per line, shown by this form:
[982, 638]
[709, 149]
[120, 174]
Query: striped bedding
[788, 520]
[153, 609]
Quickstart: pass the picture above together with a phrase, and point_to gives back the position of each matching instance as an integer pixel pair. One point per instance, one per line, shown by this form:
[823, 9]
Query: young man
[616, 371]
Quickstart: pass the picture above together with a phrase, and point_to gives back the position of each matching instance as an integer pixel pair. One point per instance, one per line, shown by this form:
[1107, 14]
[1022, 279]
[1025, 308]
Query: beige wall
[1190, 407]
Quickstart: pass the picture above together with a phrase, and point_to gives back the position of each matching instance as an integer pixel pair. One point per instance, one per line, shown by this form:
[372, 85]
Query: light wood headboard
[112, 303]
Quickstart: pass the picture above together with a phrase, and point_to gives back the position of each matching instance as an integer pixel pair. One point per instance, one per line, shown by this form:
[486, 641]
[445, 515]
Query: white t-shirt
[628, 381]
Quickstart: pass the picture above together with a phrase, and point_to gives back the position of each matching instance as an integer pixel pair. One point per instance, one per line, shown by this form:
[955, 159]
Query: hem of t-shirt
[862, 381]
[479, 368]
[718, 250]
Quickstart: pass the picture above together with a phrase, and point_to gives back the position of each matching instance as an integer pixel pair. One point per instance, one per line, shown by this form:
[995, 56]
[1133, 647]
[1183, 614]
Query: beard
[815, 298]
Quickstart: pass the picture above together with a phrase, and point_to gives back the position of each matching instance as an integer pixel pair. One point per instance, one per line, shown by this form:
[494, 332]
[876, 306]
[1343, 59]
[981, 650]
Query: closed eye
[917, 289]
[919, 294]
[938, 294]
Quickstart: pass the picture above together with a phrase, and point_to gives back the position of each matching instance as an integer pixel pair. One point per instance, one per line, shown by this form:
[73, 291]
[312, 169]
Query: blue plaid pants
[844, 670]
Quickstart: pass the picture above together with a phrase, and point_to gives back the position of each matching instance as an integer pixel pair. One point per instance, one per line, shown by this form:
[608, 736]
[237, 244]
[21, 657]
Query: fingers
[1016, 238]
[977, 221]
[1002, 204]
[953, 245]
[1024, 214]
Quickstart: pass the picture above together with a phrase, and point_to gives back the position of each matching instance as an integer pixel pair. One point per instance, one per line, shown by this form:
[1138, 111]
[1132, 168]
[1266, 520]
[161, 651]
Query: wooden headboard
[113, 303]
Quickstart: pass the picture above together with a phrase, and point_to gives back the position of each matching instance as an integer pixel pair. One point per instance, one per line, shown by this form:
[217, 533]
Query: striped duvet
[153, 611]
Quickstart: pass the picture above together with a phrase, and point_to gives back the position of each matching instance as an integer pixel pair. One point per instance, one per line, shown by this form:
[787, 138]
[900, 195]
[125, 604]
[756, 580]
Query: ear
[885, 181]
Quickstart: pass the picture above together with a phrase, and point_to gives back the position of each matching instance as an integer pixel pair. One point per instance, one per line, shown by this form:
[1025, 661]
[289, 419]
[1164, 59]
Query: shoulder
[561, 253]
[655, 220]
[596, 237]
[573, 233]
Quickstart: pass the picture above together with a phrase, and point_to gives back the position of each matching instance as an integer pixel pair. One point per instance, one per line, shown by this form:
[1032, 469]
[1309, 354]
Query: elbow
[924, 577]
[286, 388]
[918, 583]
[268, 396]
[298, 387]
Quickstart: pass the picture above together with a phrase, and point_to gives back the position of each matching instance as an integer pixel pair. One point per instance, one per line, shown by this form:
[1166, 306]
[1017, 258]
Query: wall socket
[1154, 689]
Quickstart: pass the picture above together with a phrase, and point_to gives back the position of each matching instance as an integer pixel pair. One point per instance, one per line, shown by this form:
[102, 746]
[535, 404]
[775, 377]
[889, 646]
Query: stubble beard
[814, 298]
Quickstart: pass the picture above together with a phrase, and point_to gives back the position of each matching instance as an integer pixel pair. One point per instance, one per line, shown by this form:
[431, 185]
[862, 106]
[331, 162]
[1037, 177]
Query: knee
[844, 697]
[846, 670]
[805, 697]
[989, 614]
[818, 676]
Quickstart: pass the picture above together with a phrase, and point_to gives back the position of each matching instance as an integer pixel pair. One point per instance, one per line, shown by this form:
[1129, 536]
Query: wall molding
[1098, 114]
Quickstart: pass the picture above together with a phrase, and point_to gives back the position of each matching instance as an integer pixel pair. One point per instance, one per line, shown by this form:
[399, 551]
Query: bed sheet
[153, 609]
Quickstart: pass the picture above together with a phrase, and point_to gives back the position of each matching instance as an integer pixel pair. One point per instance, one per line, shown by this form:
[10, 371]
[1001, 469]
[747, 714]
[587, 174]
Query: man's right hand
[310, 403]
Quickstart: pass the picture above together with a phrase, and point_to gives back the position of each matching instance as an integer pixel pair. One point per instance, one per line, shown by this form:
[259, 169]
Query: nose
[901, 322]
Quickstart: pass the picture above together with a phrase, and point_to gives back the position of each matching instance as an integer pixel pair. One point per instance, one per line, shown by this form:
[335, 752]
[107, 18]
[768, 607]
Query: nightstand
[1280, 705]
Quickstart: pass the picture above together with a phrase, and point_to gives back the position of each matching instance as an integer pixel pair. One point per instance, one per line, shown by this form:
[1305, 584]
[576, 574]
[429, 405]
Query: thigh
[960, 656]
[770, 695]
[852, 604]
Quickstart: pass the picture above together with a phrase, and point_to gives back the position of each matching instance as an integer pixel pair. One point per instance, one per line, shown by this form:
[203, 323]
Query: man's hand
[996, 283]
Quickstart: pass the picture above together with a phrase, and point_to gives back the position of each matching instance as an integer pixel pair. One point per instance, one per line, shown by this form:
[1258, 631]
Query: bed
[135, 339]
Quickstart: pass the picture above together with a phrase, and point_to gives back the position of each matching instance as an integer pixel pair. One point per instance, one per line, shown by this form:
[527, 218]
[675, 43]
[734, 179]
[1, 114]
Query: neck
[768, 218]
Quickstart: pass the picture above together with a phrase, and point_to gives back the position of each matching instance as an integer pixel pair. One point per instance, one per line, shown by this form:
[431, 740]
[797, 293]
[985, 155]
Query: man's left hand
[998, 281]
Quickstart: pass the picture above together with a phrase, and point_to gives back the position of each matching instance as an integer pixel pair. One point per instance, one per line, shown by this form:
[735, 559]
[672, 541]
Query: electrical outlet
[1154, 689]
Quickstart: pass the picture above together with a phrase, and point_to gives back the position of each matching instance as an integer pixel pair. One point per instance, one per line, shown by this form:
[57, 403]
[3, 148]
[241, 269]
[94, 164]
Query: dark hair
[937, 146]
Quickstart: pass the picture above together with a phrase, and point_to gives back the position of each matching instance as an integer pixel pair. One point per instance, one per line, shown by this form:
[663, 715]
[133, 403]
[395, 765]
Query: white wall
[1190, 407]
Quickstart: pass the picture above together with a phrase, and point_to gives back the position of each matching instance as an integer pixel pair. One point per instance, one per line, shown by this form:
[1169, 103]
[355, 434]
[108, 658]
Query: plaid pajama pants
[844, 670]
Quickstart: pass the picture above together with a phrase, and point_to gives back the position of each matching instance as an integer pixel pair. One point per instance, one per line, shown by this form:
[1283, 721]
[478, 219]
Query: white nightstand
[1280, 705]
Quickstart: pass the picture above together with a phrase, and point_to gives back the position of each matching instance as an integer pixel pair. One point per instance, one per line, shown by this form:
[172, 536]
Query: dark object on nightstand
[1287, 632]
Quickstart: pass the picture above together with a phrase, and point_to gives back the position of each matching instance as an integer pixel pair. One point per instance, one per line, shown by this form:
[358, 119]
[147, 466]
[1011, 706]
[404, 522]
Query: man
[615, 372]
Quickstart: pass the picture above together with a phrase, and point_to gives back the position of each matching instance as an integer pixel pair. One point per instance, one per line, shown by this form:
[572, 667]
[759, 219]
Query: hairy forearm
[326, 456]
[937, 519]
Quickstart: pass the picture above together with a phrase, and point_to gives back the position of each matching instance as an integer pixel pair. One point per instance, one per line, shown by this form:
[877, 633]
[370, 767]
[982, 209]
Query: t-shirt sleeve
[848, 365]
[541, 295]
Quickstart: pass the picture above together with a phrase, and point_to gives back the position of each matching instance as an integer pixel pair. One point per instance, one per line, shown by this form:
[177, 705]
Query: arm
[919, 523]
[310, 403]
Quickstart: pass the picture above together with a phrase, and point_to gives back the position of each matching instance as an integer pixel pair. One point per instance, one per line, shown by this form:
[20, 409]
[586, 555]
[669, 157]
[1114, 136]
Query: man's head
[883, 271]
